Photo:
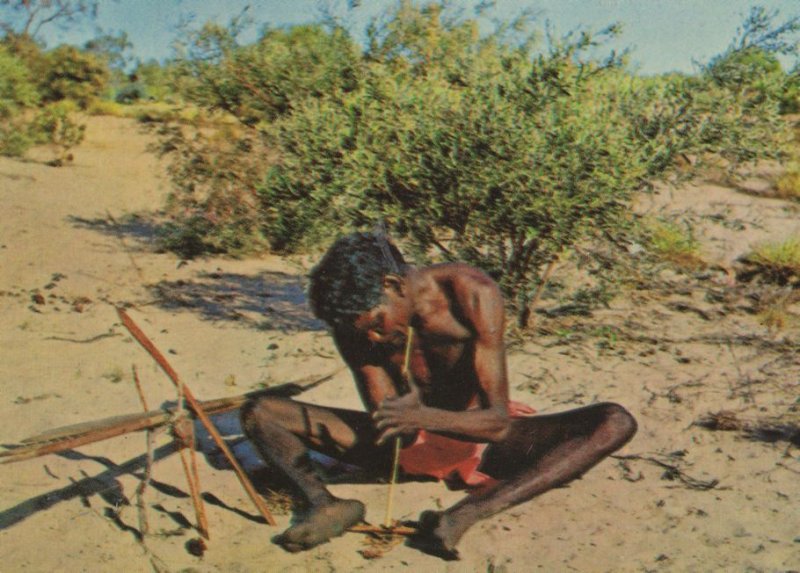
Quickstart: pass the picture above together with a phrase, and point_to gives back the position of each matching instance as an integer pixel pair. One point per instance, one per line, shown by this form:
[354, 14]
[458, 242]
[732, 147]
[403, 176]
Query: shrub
[777, 261]
[494, 150]
[43, 111]
[14, 142]
[495, 154]
[215, 206]
[159, 82]
[217, 175]
[131, 93]
[68, 73]
[17, 90]
[264, 80]
[17, 94]
[55, 125]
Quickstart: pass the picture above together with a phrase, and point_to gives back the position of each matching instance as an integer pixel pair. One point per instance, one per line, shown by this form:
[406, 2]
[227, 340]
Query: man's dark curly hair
[348, 281]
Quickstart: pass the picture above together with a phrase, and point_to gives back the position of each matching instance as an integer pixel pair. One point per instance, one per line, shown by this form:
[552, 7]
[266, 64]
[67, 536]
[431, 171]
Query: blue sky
[664, 35]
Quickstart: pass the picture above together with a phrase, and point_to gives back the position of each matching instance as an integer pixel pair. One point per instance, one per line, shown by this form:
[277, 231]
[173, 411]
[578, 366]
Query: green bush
[215, 208]
[55, 125]
[492, 150]
[264, 80]
[17, 90]
[674, 244]
[131, 93]
[67, 73]
[158, 82]
[17, 94]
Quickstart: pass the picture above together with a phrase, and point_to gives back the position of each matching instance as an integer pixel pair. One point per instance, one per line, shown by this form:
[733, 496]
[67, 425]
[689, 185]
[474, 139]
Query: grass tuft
[675, 244]
[788, 185]
[777, 261]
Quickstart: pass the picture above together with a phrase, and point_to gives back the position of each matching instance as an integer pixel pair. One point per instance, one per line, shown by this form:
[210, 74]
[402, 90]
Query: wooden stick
[200, 508]
[76, 435]
[147, 344]
[42, 448]
[144, 522]
[387, 521]
[189, 464]
[382, 529]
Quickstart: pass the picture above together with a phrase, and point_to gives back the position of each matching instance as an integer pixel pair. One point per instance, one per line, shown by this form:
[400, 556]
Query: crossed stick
[70, 437]
[198, 410]
[148, 345]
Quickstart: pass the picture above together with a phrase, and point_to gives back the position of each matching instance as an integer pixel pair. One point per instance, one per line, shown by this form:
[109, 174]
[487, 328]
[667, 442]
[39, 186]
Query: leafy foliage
[55, 125]
[34, 111]
[492, 149]
[262, 81]
[216, 207]
[69, 73]
[17, 93]
[750, 65]
[17, 89]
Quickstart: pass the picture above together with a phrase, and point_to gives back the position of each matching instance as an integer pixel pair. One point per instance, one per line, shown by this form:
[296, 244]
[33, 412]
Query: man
[454, 420]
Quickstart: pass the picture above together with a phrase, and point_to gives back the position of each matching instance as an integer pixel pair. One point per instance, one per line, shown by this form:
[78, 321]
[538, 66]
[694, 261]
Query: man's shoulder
[462, 276]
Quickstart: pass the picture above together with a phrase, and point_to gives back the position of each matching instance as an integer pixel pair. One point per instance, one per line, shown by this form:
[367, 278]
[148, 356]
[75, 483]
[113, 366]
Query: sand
[75, 241]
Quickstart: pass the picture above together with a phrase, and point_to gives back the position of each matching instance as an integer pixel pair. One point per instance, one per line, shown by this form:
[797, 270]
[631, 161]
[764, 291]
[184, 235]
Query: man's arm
[481, 306]
[373, 382]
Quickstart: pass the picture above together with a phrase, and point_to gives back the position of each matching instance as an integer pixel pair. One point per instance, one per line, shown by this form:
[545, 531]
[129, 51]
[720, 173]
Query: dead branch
[144, 523]
[189, 464]
[383, 530]
[199, 412]
[109, 334]
[672, 472]
[76, 435]
[762, 430]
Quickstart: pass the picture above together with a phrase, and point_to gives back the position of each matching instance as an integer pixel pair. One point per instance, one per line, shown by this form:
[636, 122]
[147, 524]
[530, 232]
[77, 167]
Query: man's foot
[324, 522]
[436, 535]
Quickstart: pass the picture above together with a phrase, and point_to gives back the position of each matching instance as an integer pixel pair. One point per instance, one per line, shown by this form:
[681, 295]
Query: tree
[760, 30]
[28, 17]
[750, 66]
[111, 48]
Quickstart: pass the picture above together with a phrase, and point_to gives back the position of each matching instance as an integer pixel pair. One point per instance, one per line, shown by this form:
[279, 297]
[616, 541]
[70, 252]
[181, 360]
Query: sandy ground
[681, 497]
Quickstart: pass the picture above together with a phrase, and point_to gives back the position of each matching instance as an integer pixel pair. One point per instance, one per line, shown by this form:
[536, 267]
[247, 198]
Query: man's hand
[401, 416]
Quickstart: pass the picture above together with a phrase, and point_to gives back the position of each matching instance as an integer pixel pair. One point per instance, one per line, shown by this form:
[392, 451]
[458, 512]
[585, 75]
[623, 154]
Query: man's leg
[541, 452]
[284, 430]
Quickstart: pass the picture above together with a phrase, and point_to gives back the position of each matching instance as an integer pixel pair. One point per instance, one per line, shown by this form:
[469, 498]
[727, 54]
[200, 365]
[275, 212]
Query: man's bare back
[460, 391]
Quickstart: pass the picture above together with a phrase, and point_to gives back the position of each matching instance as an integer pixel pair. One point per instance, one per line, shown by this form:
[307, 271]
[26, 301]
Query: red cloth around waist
[454, 461]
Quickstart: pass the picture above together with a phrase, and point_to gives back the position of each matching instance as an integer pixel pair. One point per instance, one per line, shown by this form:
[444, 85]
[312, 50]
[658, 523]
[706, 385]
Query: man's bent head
[348, 281]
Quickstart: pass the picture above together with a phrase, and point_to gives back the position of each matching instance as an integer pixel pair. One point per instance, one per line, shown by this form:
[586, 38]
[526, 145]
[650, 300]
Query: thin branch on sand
[195, 405]
[144, 523]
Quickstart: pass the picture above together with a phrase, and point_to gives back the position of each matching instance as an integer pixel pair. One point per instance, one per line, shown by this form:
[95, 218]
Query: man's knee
[258, 411]
[618, 423]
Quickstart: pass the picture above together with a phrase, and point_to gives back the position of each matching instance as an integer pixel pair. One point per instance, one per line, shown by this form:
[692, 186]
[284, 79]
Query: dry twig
[764, 430]
[144, 524]
[76, 435]
[672, 472]
[199, 412]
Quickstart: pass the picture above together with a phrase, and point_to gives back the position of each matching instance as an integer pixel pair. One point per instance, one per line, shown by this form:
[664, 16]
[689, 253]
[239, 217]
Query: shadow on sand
[267, 300]
[142, 230]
